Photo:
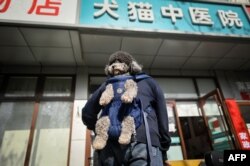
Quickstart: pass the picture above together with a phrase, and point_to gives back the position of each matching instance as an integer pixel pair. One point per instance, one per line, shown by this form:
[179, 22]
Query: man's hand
[166, 163]
[165, 158]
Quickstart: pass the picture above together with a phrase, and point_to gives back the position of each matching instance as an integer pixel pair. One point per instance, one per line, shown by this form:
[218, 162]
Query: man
[138, 152]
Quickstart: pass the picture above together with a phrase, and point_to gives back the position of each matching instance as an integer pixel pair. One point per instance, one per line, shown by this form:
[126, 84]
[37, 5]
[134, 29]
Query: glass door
[214, 116]
[193, 129]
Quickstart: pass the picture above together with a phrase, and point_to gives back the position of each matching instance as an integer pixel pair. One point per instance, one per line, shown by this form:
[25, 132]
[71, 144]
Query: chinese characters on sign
[106, 8]
[142, 11]
[52, 7]
[229, 19]
[241, 131]
[4, 5]
[49, 7]
[244, 139]
[200, 16]
[60, 11]
[171, 12]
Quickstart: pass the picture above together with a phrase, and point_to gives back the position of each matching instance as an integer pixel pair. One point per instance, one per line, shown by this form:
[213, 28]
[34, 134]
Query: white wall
[78, 138]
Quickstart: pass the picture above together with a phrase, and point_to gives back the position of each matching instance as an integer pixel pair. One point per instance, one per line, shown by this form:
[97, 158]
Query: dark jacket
[152, 96]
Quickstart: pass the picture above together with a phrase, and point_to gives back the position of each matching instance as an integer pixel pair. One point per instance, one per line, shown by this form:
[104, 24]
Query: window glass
[52, 129]
[245, 112]
[205, 85]
[51, 139]
[216, 123]
[21, 87]
[15, 122]
[57, 86]
[195, 133]
[177, 87]
[95, 82]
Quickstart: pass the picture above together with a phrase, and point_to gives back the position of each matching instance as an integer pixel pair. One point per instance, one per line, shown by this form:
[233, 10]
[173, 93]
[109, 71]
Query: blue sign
[166, 16]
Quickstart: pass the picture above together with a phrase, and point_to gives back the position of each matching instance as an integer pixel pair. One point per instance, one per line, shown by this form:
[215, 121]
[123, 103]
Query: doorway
[195, 137]
[214, 117]
[200, 126]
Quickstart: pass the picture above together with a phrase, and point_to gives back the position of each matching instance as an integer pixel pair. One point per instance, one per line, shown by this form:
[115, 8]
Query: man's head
[120, 63]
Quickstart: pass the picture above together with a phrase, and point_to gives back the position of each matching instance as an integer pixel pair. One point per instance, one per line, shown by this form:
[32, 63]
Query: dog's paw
[103, 101]
[99, 143]
[126, 98]
[124, 139]
[127, 130]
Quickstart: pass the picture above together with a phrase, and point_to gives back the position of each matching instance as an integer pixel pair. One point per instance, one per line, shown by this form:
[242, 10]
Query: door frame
[172, 104]
[226, 120]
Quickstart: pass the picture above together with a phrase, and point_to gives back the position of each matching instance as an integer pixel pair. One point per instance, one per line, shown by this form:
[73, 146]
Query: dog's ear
[135, 67]
[106, 70]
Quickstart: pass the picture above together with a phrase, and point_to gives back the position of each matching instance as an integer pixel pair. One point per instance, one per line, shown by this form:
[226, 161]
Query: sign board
[166, 16]
[241, 131]
[48, 11]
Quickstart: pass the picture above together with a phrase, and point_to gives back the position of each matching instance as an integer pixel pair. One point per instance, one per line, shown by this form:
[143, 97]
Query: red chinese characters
[4, 5]
[50, 7]
[38, 7]
[240, 129]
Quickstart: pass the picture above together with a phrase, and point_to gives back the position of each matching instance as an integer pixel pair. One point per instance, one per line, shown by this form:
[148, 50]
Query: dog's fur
[128, 126]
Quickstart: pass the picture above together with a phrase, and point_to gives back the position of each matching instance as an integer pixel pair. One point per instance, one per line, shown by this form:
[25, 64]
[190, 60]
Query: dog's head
[120, 63]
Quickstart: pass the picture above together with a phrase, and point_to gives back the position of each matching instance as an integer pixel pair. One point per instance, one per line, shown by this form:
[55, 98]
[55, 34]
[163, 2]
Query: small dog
[120, 63]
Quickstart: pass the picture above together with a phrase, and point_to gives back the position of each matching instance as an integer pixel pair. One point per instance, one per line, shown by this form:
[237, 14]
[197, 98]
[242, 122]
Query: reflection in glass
[175, 88]
[245, 113]
[57, 86]
[15, 122]
[51, 139]
[194, 130]
[217, 126]
[205, 85]
[21, 87]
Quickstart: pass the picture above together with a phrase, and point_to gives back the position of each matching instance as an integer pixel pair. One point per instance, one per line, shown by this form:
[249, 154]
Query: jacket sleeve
[92, 108]
[162, 117]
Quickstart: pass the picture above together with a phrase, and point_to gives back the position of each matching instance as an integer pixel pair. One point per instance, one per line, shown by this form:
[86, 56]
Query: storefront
[53, 54]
